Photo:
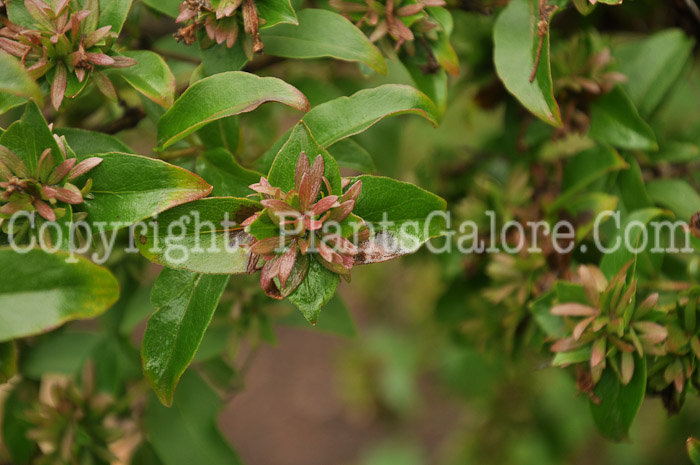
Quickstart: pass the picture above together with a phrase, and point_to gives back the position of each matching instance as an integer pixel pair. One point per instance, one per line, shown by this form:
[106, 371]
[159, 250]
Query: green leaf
[220, 96]
[434, 85]
[9, 101]
[343, 117]
[649, 80]
[168, 7]
[15, 80]
[583, 169]
[314, 291]
[151, 76]
[406, 207]
[632, 189]
[349, 154]
[113, 13]
[222, 133]
[185, 304]
[30, 136]
[615, 121]
[616, 259]
[693, 446]
[515, 50]
[129, 188]
[323, 33]
[282, 171]
[572, 357]
[187, 433]
[218, 58]
[63, 352]
[552, 325]
[220, 169]
[217, 249]
[87, 143]
[15, 425]
[336, 319]
[276, 12]
[676, 195]
[8, 361]
[619, 404]
[50, 291]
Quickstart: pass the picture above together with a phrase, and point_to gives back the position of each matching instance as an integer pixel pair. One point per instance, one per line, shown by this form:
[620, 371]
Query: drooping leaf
[129, 188]
[282, 171]
[515, 51]
[87, 143]
[218, 248]
[151, 76]
[220, 169]
[322, 33]
[223, 95]
[650, 79]
[15, 80]
[187, 432]
[615, 121]
[619, 404]
[314, 291]
[50, 289]
[185, 303]
[676, 195]
[343, 117]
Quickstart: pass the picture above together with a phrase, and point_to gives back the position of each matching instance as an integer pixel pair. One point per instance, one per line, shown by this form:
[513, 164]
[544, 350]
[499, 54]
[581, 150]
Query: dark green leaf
[314, 291]
[515, 50]
[649, 79]
[676, 195]
[219, 248]
[282, 171]
[30, 136]
[15, 426]
[632, 190]
[615, 121]
[619, 404]
[220, 96]
[129, 188]
[323, 33]
[51, 289]
[113, 13]
[168, 7]
[185, 304]
[349, 154]
[336, 319]
[220, 169]
[218, 59]
[87, 143]
[693, 446]
[187, 434]
[15, 80]
[8, 361]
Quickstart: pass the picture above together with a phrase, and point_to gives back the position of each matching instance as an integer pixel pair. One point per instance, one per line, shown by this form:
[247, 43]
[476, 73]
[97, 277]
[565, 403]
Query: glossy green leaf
[282, 171]
[218, 248]
[151, 76]
[322, 33]
[220, 96]
[619, 404]
[220, 169]
[649, 80]
[50, 291]
[343, 117]
[349, 154]
[113, 13]
[30, 136]
[87, 143]
[185, 304]
[676, 195]
[129, 188]
[187, 433]
[621, 254]
[314, 291]
[15, 80]
[412, 213]
[615, 121]
[276, 12]
[8, 361]
[515, 48]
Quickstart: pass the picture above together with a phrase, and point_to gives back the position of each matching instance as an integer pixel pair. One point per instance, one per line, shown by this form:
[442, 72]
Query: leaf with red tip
[58, 86]
[83, 167]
